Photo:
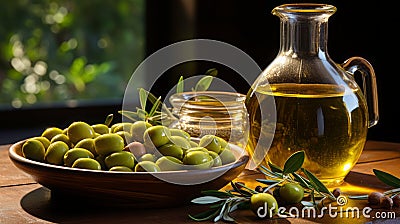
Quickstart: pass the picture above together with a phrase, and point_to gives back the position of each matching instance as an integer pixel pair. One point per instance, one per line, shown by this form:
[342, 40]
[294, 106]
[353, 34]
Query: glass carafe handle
[361, 65]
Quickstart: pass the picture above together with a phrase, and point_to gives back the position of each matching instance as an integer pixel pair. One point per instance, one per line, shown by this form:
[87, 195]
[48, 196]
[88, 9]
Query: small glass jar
[217, 113]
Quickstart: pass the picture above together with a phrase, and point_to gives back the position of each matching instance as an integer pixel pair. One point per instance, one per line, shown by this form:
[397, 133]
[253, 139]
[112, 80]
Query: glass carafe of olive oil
[320, 108]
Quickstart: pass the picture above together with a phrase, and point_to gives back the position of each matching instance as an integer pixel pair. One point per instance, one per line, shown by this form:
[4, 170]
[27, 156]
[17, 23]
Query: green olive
[120, 169]
[101, 128]
[226, 147]
[291, 193]
[227, 156]
[55, 153]
[148, 157]
[136, 148]
[63, 138]
[126, 136]
[86, 163]
[198, 159]
[197, 149]
[79, 130]
[122, 158]
[158, 135]
[50, 132]
[100, 159]
[122, 126]
[222, 142]
[217, 160]
[211, 142]
[108, 143]
[137, 130]
[34, 150]
[74, 154]
[169, 163]
[171, 150]
[263, 204]
[43, 140]
[181, 142]
[147, 166]
[111, 129]
[87, 143]
[179, 132]
[193, 144]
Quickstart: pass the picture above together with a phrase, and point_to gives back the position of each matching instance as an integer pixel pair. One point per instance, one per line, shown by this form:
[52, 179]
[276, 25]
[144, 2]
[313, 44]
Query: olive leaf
[244, 186]
[274, 167]
[142, 114]
[108, 120]
[179, 86]
[267, 182]
[361, 197]
[217, 205]
[222, 203]
[150, 96]
[302, 181]
[206, 200]
[269, 173]
[316, 184]
[387, 178]
[204, 216]
[294, 162]
[153, 99]
[273, 185]
[222, 212]
[245, 204]
[212, 72]
[154, 107]
[204, 83]
[241, 191]
[129, 114]
[143, 98]
[307, 204]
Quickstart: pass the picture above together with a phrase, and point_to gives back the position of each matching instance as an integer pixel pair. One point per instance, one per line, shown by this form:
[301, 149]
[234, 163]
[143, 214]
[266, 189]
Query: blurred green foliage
[58, 50]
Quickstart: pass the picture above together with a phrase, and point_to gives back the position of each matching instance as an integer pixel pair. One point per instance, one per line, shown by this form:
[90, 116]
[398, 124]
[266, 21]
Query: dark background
[358, 28]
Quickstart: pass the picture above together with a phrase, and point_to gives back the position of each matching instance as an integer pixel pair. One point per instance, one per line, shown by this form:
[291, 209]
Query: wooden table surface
[24, 201]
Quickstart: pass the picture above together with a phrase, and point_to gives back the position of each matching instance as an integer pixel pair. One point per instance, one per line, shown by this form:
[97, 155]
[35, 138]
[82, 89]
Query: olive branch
[222, 203]
[159, 112]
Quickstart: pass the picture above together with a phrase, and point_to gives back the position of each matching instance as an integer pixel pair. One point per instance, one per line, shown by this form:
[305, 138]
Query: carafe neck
[304, 29]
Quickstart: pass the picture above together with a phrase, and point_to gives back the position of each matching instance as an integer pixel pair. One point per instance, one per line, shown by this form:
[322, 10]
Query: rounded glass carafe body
[320, 108]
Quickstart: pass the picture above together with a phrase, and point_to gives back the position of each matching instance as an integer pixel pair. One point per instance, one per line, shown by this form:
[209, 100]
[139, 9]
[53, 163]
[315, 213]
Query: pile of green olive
[289, 193]
[126, 146]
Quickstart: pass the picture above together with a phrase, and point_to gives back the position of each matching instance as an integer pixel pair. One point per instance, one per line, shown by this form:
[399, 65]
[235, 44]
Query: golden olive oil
[328, 122]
